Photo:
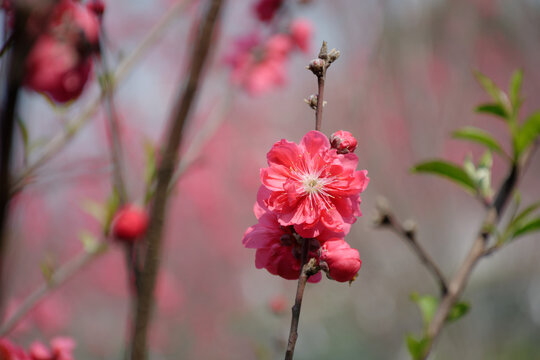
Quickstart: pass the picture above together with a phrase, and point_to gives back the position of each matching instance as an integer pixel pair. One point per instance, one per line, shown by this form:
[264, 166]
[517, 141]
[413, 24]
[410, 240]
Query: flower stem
[304, 275]
[320, 83]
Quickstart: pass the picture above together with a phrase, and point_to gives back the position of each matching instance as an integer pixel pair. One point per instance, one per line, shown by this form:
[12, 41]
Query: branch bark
[164, 176]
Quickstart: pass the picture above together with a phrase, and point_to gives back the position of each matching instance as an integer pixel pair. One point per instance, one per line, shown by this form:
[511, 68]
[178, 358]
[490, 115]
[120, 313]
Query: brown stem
[306, 270]
[409, 235]
[164, 176]
[321, 77]
[478, 250]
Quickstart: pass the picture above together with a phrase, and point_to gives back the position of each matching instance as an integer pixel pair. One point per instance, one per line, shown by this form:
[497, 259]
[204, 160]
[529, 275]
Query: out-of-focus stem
[164, 175]
[57, 143]
[320, 85]
[387, 219]
[478, 250]
[58, 278]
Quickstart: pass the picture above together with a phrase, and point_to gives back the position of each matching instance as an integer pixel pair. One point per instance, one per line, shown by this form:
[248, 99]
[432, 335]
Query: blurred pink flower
[9, 351]
[312, 187]
[61, 349]
[266, 9]
[301, 33]
[59, 64]
[260, 67]
[339, 260]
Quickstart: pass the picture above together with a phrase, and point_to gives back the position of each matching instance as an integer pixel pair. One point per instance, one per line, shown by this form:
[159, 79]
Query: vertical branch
[164, 175]
[306, 270]
[321, 77]
[22, 43]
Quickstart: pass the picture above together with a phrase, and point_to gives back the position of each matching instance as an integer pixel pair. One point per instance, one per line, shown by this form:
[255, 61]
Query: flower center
[312, 184]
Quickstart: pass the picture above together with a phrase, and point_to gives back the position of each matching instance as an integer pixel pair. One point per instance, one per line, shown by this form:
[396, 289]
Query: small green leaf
[478, 136]
[448, 170]
[24, 133]
[91, 243]
[458, 310]
[525, 213]
[428, 306]
[528, 227]
[527, 133]
[110, 210]
[515, 89]
[495, 92]
[417, 348]
[492, 109]
[150, 168]
[47, 270]
[94, 208]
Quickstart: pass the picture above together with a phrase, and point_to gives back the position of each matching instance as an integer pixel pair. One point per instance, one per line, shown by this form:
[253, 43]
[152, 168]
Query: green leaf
[94, 208]
[458, 310]
[113, 202]
[449, 170]
[417, 348]
[91, 243]
[527, 133]
[528, 227]
[495, 92]
[525, 213]
[515, 89]
[492, 109]
[150, 168]
[24, 134]
[428, 306]
[478, 136]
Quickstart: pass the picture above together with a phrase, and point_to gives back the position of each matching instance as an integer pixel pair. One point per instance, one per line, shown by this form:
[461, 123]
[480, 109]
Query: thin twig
[164, 175]
[7, 44]
[479, 249]
[306, 270]
[387, 219]
[59, 276]
[321, 77]
[57, 143]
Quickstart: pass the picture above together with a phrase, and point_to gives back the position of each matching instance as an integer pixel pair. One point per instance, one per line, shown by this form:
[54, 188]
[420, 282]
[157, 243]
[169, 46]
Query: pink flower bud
[278, 304]
[339, 260]
[97, 7]
[129, 223]
[343, 141]
[316, 66]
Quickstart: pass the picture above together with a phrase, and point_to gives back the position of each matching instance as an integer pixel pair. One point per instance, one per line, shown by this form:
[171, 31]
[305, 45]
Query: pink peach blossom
[339, 260]
[10, 351]
[278, 247]
[312, 187]
[301, 33]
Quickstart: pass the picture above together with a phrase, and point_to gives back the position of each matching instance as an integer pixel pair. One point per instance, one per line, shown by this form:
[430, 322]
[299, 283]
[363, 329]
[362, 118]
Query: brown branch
[164, 176]
[479, 249]
[321, 77]
[408, 233]
[306, 270]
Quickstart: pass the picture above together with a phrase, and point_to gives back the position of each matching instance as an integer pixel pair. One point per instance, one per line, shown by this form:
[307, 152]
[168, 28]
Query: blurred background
[403, 83]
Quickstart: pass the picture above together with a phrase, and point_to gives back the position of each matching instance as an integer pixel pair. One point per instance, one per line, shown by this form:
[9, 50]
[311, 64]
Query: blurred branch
[479, 249]
[59, 277]
[407, 231]
[202, 137]
[23, 41]
[57, 143]
[164, 176]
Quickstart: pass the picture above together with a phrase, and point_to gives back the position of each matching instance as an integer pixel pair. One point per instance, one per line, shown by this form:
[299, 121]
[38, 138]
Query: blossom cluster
[61, 349]
[310, 193]
[258, 63]
[60, 62]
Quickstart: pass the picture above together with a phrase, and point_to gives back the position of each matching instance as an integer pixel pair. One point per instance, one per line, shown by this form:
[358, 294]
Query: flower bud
[343, 141]
[96, 6]
[129, 223]
[317, 66]
[339, 260]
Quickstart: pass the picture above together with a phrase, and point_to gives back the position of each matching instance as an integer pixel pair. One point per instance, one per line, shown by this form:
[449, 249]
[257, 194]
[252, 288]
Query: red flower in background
[9, 351]
[59, 64]
[312, 187]
[266, 9]
[129, 223]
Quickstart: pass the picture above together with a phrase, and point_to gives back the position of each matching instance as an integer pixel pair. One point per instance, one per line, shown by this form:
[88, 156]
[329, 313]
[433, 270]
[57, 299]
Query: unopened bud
[339, 260]
[333, 55]
[129, 223]
[317, 66]
[409, 226]
[343, 141]
[311, 101]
